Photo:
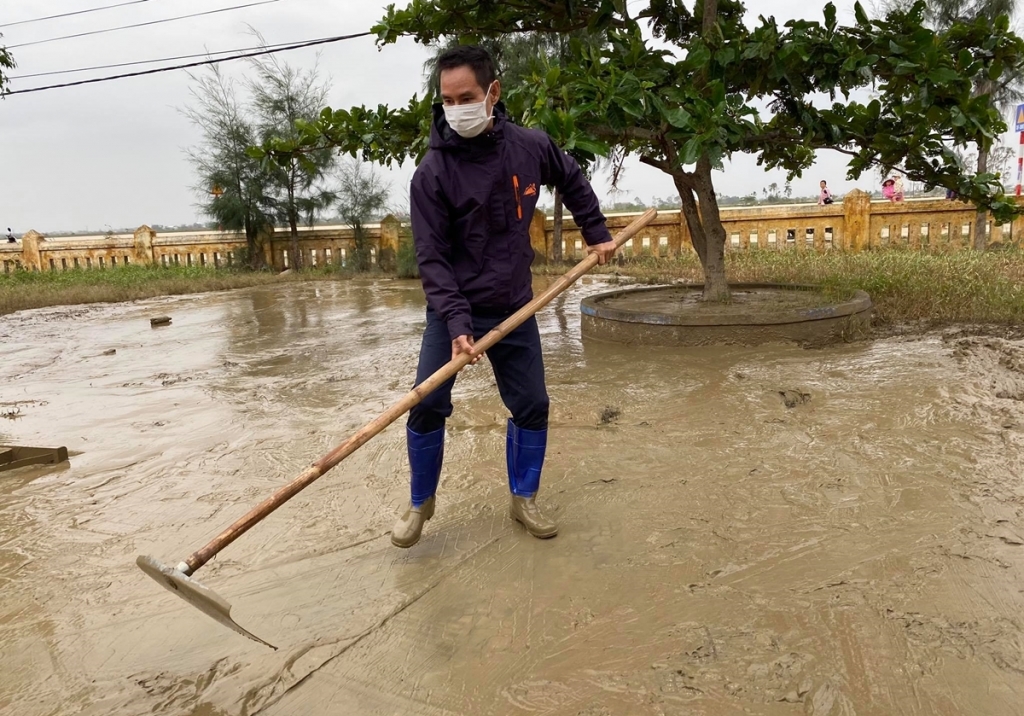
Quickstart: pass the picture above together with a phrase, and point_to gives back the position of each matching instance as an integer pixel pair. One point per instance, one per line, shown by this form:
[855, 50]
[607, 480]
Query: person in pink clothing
[825, 197]
[887, 189]
[892, 188]
[897, 187]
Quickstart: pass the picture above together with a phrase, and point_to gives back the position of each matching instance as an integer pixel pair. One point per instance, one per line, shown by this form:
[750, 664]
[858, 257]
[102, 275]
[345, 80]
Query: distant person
[10, 236]
[825, 196]
[897, 187]
[888, 190]
[952, 195]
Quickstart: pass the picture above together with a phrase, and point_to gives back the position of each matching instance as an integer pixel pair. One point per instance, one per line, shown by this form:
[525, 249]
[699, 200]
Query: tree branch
[606, 132]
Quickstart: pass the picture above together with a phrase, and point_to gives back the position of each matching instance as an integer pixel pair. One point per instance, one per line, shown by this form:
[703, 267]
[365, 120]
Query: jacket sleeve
[562, 171]
[430, 223]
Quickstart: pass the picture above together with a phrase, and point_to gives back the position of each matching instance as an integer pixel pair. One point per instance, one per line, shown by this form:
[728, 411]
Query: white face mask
[469, 120]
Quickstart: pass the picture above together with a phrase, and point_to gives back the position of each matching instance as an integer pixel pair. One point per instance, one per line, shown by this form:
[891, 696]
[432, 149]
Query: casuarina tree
[362, 196]
[6, 63]
[298, 190]
[706, 82]
[233, 186]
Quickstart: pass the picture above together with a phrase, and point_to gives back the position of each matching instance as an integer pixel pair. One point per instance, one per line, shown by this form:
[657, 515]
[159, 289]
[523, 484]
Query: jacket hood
[444, 138]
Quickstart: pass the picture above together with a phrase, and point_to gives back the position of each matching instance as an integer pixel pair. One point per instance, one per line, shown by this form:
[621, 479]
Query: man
[472, 199]
[10, 236]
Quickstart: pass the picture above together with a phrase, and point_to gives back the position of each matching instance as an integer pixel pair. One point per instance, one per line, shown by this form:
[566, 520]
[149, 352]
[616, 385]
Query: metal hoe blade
[202, 598]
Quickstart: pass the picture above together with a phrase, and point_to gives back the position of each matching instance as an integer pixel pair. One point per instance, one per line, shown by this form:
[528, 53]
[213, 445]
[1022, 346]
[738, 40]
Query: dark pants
[518, 369]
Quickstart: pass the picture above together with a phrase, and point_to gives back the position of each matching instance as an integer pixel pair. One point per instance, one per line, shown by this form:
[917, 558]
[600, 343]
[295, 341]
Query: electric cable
[148, 62]
[69, 14]
[270, 51]
[140, 24]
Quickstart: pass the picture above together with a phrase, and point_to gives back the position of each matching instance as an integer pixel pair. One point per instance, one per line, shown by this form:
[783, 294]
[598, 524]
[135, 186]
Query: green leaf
[678, 117]
[943, 75]
[830, 17]
[862, 17]
[593, 146]
[725, 55]
[691, 152]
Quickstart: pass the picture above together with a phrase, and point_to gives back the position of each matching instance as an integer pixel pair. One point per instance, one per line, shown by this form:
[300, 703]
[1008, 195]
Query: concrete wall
[853, 225]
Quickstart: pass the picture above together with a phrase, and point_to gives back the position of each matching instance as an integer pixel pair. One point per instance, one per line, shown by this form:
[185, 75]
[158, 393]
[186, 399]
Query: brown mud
[860, 552]
[743, 302]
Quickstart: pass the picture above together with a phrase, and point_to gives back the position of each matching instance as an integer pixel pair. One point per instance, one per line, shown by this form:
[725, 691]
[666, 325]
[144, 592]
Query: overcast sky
[112, 154]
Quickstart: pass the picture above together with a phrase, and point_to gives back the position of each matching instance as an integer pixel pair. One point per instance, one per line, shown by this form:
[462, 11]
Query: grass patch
[906, 286]
[21, 290]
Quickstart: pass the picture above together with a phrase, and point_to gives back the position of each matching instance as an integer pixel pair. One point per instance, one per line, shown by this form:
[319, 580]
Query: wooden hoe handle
[312, 473]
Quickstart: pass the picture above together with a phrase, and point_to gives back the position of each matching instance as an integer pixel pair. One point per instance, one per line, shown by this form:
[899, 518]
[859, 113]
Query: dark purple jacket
[472, 201]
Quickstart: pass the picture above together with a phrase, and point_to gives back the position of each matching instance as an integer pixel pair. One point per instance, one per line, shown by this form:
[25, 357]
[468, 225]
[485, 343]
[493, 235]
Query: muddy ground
[721, 553]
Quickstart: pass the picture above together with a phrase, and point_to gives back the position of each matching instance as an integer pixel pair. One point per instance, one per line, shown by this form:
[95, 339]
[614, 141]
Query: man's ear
[496, 91]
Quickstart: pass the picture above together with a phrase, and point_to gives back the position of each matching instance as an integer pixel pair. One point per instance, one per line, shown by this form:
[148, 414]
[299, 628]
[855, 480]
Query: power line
[147, 62]
[269, 51]
[141, 24]
[69, 14]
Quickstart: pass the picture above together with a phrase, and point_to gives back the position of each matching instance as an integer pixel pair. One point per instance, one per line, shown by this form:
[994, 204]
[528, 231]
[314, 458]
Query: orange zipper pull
[515, 187]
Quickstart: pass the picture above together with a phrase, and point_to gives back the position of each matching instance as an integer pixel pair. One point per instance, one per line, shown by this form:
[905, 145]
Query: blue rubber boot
[426, 454]
[524, 453]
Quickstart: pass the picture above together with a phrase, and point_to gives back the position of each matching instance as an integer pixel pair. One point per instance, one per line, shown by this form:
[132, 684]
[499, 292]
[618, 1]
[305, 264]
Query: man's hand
[464, 344]
[605, 251]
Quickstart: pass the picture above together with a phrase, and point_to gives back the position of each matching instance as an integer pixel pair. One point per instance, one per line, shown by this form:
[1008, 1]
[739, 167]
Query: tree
[6, 63]
[1004, 90]
[232, 184]
[361, 196]
[687, 110]
[283, 98]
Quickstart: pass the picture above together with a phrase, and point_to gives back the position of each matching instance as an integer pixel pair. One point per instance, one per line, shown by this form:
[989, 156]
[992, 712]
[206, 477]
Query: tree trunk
[293, 225]
[716, 288]
[361, 254]
[710, 15]
[250, 241]
[556, 249]
[706, 231]
[711, 233]
[690, 213]
[981, 218]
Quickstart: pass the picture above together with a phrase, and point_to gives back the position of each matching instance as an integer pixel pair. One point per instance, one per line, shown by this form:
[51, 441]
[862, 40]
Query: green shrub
[406, 266]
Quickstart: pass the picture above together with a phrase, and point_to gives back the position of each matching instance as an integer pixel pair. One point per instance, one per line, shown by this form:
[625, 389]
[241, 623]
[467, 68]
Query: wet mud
[725, 547]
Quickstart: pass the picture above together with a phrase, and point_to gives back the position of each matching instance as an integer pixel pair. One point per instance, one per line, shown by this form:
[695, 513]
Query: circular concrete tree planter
[757, 313]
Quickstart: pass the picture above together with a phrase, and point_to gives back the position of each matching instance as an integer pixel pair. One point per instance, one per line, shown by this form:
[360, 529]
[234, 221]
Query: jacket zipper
[515, 187]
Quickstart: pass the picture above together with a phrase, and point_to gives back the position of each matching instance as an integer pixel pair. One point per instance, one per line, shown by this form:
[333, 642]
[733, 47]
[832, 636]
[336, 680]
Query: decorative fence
[319, 246]
[854, 225]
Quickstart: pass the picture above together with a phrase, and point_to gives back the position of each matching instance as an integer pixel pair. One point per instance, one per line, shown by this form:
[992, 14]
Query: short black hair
[472, 56]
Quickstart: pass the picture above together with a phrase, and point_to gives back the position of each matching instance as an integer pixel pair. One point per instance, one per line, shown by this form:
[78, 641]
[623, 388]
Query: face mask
[469, 120]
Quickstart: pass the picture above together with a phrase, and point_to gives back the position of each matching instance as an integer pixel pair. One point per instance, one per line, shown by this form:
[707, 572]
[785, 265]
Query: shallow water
[860, 553]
